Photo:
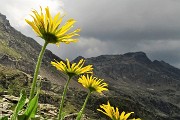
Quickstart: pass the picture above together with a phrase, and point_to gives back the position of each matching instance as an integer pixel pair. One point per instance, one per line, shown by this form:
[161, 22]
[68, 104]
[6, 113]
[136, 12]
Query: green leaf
[19, 105]
[32, 107]
[31, 110]
[4, 118]
[22, 117]
[63, 115]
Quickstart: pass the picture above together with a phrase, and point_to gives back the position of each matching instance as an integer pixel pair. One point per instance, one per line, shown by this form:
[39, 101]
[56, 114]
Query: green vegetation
[69, 109]
[5, 49]
[12, 80]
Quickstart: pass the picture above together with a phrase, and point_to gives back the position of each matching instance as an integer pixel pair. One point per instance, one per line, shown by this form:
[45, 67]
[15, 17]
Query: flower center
[71, 74]
[92, 89]
[50, 38]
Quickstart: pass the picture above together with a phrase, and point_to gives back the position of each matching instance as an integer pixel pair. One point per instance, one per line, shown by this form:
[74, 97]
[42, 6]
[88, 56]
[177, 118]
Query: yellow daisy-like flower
[114, 114]
[47, 27]
[93, 83]
[73, 69]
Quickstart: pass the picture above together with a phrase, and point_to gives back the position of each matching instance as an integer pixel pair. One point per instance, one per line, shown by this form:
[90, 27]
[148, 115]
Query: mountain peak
[134, 67]
[78, 58]
[135, 54]
[2, 16]
[138, 56]
[3, 20]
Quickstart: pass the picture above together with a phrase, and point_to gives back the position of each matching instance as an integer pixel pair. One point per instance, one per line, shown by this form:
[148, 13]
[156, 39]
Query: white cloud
[17, 10]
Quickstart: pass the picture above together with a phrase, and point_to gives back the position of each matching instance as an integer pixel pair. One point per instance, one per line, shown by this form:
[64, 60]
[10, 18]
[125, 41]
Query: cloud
[18, 10]
[127, 19]
[85, 47]
[162, 50]
[110, 27]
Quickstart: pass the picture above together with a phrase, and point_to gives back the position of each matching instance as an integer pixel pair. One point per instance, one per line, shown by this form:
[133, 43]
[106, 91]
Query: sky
[109, 26]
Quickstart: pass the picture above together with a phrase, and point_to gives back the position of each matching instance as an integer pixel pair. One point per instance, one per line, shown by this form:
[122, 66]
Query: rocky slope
[21, 52]
[135, 68]
[149, 88]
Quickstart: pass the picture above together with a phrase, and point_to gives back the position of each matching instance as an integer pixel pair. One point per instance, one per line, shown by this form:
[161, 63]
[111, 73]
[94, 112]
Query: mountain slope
[149, 88]
[135, 68]
[21, 52]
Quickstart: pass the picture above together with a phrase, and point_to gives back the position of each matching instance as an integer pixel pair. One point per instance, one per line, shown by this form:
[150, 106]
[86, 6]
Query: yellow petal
[127, 115]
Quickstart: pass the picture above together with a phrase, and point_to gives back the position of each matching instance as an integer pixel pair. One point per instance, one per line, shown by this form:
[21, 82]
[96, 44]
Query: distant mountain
[149, 88]
[135, 68]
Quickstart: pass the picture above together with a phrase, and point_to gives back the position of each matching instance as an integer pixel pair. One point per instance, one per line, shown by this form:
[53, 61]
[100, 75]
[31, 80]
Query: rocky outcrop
[46, 111]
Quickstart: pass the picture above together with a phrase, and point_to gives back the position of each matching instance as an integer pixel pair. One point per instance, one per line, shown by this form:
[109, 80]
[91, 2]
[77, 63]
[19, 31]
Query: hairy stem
[38, 64]
[62, 99]
[83, 107]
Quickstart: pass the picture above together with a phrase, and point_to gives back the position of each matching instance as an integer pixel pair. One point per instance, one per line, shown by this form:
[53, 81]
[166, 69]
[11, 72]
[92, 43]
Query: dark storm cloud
[152, 26]
[127, 19]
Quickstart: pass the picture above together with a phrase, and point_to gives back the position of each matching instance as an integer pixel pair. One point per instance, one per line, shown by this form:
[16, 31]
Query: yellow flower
[114, 113]
[74, 69]
[47, 27]
[93, 83]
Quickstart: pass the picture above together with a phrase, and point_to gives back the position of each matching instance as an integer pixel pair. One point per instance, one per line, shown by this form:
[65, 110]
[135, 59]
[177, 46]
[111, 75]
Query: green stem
[62, 99]
[83, 107]
[38, 64]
